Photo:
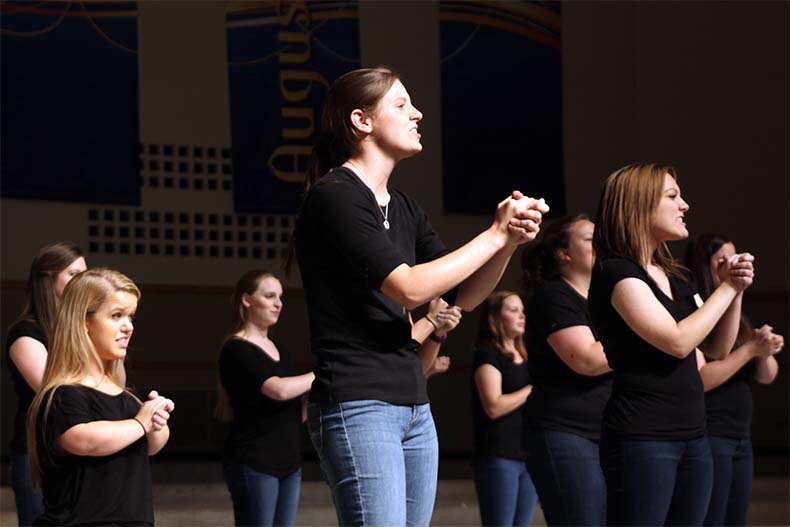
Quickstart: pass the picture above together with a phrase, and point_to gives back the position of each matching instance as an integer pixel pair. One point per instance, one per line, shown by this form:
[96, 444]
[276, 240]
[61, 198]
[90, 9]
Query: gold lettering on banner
[288, 162]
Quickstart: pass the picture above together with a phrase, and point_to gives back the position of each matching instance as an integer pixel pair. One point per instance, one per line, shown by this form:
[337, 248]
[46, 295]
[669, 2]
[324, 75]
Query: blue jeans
[733, 468]
[261, 499]
[505, 492]
[380, 460]
[29, 504]
[656, 482]
[566, 469]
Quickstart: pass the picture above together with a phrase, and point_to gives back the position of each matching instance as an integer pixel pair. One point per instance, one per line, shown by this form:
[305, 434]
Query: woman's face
[65, 276]
[110, 327]
[725, 252]
[667, 222]
[579, 254]
[264, 305]
[394, 126]
[513, 318]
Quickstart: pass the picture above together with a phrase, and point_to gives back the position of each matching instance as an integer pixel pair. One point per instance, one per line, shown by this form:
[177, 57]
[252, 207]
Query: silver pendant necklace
[385, 210]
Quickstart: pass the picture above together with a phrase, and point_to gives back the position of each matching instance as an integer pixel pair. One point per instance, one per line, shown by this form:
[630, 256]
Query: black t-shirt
[561, 399]
[264, 433]
[86, 490]
[654, 395]
[362, 339]
[498, 437]
[729, 406]
[24, 393]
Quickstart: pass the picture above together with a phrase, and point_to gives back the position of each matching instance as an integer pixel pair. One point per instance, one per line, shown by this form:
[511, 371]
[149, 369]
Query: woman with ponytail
[263, 399]
[90, 438]
[368, 256]
[26, 353]
[570, 376]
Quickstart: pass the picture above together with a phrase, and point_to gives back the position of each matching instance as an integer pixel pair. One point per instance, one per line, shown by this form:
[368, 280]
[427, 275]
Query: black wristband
[438, 338]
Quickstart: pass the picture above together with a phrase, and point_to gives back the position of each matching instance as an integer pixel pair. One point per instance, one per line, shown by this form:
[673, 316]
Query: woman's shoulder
[488, 355]
[615, 268]
[25, 327]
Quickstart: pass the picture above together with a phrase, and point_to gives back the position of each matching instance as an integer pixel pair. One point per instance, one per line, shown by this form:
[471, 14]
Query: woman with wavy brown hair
[654, 452]
[86, 450]
[26, 354]
[501, 386]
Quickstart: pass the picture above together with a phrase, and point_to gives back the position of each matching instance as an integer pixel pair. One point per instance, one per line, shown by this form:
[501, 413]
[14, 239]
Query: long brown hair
[247, 284]
[492, 329]
[72, 354]
[40, 302]
[629, 197]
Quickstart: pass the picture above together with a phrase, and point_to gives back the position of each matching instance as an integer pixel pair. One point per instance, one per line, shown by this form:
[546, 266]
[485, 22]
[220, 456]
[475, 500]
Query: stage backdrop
[501, 103]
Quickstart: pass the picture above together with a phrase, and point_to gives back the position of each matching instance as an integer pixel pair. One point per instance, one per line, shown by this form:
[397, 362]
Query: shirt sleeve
[70, 406]
[241, 364]
[558, 309]
[487, 355]
[350, 220]
[616, 269]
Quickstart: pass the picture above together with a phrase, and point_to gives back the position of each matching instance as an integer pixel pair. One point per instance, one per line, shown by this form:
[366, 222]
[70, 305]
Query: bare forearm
[285, 388]
[428, 352]
[101, 438]
[157, 439]
[721, 340]
[717, 372]
[477, 287]
[766, 369]
[414, 286]
[422, 329]
[692, 330]
[507, 402]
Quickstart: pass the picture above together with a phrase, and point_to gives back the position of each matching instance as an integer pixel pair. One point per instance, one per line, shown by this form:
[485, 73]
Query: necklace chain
[385, 213]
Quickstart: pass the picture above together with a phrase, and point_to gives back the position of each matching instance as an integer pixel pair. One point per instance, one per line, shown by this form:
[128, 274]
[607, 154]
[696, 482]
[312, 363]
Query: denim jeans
[733, 468]
[380, 460]
[657, 482]
[505, 492]
[566, 470]
[29, 504]
[261, 499]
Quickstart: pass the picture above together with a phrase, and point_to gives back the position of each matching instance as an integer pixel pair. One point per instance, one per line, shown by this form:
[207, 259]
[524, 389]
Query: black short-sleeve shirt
[654, 395]
[24, 393]
[498, 437]
[362, 338]
[265, 434]
[561, 399]
[729, 406]
[87, 490]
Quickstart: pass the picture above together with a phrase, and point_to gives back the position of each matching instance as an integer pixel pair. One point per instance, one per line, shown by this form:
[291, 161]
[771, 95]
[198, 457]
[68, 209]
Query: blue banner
[69, 101]
[501, 103]
[282, 57]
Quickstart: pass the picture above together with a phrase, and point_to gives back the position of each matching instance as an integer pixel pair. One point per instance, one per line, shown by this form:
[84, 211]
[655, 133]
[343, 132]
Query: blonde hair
[492, 328]
[72, 354]
[622, 227]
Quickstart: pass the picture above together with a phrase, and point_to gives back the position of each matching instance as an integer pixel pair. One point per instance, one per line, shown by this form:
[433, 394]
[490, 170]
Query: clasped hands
[155, 412]
[519, 217]
[737, 269]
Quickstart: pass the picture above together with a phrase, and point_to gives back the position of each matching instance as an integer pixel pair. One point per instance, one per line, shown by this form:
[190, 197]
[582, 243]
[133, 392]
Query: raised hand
[738, 270]
[525, 224]
[767, 342]
[444, 317]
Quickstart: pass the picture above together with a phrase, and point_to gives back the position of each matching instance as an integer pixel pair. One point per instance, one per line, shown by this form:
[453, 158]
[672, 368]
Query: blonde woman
[26, 353]
[261, 459]
[89, 438]
[505, 491]
[654, 452]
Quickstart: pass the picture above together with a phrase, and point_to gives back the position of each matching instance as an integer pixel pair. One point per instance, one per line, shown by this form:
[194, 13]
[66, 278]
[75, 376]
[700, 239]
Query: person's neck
[374, 170]
[578, 280]
[254, 333]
